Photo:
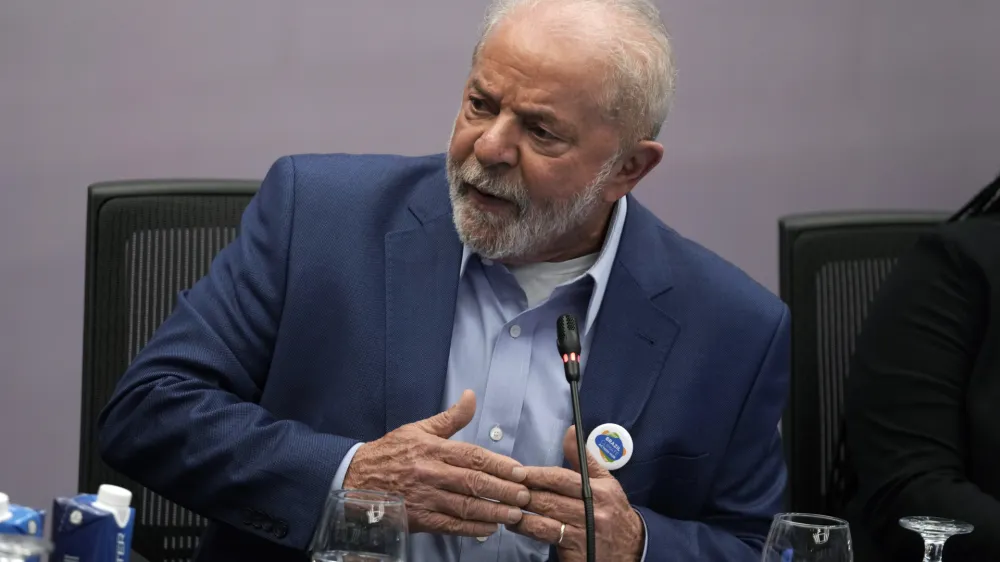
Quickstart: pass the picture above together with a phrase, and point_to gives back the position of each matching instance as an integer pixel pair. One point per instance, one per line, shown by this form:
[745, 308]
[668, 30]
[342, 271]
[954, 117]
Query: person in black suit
[923, 397]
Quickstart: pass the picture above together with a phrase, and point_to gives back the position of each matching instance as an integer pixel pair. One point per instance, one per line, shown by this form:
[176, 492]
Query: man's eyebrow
[479, 87]
[542, 114]
[548, 117]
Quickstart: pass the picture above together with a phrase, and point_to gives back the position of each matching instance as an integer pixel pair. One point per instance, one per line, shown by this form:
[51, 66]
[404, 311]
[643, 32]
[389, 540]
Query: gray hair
[641, 84]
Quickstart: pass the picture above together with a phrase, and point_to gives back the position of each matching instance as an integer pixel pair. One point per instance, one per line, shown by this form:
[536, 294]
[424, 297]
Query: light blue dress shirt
[505, 351]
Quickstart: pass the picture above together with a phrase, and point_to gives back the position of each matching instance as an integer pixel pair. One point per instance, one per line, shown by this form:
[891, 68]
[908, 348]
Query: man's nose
[498, 144]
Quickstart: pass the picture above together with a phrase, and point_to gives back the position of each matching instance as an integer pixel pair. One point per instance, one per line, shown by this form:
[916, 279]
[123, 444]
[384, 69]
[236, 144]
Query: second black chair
[831, 266]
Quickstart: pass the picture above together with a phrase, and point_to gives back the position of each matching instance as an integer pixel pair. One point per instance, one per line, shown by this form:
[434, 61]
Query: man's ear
[636, 163]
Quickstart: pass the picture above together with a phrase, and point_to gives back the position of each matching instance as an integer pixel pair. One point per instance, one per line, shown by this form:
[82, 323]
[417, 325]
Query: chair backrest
[831, 266]
[146, 241]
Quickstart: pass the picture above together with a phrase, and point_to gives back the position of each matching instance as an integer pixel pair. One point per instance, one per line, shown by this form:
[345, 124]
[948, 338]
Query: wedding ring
[562, 531]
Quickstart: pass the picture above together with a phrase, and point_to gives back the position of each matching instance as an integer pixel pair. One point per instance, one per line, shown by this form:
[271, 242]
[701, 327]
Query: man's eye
[478, 105]
[541, 133]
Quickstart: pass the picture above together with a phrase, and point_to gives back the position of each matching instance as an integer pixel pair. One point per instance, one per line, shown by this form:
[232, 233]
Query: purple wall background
[784, 106]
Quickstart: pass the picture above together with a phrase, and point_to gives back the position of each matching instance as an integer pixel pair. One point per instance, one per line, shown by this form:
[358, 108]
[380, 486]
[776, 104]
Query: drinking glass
[935, 532]
[361, 526]
[19, 548]
[804, 537]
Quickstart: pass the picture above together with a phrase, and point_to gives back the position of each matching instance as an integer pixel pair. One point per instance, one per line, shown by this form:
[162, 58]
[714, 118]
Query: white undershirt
[538, 280]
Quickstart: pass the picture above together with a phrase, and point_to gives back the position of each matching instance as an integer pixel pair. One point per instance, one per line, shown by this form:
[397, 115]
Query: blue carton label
[24, 521]
[83, 533]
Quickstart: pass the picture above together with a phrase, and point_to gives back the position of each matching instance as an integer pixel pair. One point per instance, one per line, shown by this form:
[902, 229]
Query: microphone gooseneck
[568, 343]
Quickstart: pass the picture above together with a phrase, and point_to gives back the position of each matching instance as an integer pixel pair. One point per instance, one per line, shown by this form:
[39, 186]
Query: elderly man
[366, 294]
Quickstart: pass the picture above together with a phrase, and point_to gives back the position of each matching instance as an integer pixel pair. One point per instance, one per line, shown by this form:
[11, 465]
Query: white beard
[536, 225]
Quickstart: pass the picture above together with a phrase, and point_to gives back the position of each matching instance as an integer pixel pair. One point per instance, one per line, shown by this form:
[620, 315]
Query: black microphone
[568, 341]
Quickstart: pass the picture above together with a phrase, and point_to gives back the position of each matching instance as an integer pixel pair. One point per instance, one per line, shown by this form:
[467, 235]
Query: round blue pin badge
[610, 445]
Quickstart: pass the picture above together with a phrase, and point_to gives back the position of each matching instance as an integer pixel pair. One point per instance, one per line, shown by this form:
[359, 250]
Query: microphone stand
[581, 448]
[568, 340]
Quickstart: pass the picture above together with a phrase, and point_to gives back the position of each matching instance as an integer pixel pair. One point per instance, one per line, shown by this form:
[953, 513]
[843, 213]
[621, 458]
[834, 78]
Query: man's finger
[435, 522]
[474, 483]
[554, 479]
[547, 530]
[573, 456]
[464, 455]
[450, 421]
[558, 507]
[468, 508]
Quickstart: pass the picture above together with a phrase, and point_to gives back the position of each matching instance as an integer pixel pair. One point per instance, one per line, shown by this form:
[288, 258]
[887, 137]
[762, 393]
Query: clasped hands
[460, 489]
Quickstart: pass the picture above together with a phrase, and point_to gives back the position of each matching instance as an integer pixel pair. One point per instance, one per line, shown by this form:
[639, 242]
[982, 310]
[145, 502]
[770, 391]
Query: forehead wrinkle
[550, 72]
[601, 31]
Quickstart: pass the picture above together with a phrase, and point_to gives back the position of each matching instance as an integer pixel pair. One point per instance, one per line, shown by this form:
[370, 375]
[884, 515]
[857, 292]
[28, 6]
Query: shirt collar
[600, 272]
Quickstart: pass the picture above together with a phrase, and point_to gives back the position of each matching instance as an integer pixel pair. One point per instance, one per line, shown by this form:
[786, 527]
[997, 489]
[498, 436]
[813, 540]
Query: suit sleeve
[750, 485]
[184, 420]
[907, 420]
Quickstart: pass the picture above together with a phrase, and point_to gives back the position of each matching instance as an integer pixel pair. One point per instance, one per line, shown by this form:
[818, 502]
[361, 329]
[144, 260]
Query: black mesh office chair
[831, 266]
[146, 241]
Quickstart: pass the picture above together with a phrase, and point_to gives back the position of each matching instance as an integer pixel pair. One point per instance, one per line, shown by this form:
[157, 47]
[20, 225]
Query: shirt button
[486, 261]
[496, 433]
[482, 539]
[515, 331]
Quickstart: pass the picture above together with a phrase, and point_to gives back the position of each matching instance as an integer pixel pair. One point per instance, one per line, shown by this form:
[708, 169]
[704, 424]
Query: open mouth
[484, 199]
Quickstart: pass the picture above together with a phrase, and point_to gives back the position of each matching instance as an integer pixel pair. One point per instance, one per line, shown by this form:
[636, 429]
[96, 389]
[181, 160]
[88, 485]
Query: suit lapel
[421, 277]
[634, 336]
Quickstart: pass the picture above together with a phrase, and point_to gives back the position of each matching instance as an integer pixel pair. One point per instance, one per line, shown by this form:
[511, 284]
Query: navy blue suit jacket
[328, 321]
